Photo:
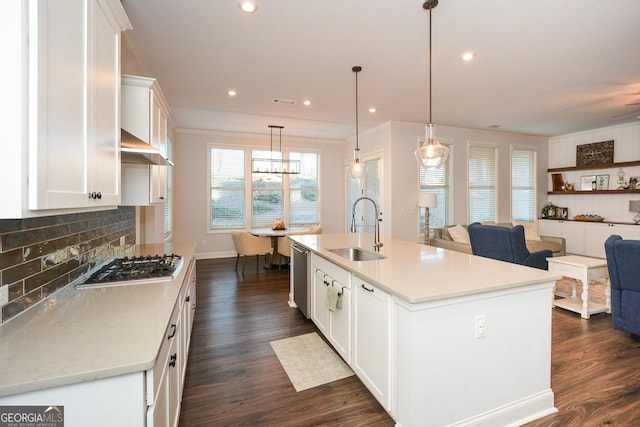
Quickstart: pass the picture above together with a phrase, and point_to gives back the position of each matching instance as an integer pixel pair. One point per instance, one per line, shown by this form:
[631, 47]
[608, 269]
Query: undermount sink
[356, 254]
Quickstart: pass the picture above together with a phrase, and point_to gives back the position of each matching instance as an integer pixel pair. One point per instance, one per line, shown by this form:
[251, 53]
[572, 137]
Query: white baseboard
[213, 255]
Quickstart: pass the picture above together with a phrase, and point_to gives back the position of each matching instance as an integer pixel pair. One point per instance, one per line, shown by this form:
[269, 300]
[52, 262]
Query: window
[266, 191]
[304, 195]
[482, 171]
[234, 204]
[523, 184]
[370, 186]
[438, 181]
[168, 203]
[227, 188]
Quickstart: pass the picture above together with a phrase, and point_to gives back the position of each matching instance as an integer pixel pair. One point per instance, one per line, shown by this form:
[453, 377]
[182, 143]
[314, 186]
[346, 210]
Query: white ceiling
[548, 67]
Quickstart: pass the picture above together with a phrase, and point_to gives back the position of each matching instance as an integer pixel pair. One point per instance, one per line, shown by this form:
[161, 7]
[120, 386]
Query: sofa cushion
[538, 245]
[530, 230]
[459, 234]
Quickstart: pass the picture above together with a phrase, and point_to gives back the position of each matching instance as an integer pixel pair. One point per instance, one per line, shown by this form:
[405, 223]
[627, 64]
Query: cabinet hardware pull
[367, 289]
[188, 298]
[173, 332]
[173, 359]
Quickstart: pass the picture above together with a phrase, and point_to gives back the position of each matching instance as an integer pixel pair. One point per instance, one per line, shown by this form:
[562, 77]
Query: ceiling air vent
[284, 101]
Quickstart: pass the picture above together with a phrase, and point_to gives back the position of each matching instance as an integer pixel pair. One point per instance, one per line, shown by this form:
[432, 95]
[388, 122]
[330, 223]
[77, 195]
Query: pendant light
[357, 169]
[277, 166]
[431, 154]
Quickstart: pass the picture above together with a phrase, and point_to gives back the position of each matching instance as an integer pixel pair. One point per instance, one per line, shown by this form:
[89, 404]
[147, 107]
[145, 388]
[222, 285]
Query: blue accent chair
[623, 262]
[505, 244]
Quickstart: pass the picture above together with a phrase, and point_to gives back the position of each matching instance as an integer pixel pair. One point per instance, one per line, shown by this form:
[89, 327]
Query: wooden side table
[586, 270]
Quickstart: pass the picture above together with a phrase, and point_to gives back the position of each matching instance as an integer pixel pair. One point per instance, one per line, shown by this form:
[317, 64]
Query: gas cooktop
[135, 270]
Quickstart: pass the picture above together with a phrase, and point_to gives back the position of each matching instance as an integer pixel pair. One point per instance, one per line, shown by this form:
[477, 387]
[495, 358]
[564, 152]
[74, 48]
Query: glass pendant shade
[357, 169]
[431, 154]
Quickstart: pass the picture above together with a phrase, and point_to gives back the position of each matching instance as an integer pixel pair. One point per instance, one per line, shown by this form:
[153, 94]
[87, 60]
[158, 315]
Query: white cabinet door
[573, 233]
[104, 107]
[594, 236]
[320, 314]
[74, 75]
[371, 353]
[340, 323]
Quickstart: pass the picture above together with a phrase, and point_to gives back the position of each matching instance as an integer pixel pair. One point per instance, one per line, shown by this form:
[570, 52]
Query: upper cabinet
[145, 114]
[65, 85]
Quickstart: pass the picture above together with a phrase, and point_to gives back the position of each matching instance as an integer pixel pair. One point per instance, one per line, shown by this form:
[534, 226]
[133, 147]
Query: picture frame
[596, 153]
[586, 182]
[562, 213]
[602, 182]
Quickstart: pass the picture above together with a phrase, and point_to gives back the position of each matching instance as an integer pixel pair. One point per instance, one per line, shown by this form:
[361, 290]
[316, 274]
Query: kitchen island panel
[449, 376]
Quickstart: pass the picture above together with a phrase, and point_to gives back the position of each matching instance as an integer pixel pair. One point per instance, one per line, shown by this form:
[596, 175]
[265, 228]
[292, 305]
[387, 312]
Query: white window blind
[369, 186]
[482, 171]
[438, 181]
[227, 188]
[523, 184]
[304, 194]
[267, 191]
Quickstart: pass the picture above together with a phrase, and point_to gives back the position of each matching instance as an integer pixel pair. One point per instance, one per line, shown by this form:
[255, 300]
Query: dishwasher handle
[299, 249]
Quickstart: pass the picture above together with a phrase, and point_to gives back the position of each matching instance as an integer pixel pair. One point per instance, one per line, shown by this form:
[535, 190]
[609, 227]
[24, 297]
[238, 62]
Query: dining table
[277, 260]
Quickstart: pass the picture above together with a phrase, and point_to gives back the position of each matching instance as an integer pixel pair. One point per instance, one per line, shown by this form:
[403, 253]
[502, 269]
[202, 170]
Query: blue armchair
[623, 262]
[505, 244]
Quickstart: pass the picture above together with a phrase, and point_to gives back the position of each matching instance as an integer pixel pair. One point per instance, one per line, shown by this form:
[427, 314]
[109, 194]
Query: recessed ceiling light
[306, 102]
[372, 110]
[248, 6]
[494, 126]
[232, 93]
[468, 56]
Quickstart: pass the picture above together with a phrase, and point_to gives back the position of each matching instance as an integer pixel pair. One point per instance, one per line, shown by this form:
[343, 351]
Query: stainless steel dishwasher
[300, 277]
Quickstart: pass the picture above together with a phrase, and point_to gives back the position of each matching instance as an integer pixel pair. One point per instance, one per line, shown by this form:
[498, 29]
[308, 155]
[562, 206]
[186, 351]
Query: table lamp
[426, 201]
[634, 206]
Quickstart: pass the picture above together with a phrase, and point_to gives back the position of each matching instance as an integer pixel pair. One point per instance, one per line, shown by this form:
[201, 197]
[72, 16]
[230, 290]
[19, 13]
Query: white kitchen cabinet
[145, 113]
[334, 325]
[143, 185]
[188, 296]
[587, 238]
[372, 339]
[65, 144]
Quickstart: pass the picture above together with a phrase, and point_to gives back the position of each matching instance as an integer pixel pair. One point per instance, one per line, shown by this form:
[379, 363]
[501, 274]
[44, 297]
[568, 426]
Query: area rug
[309, 361]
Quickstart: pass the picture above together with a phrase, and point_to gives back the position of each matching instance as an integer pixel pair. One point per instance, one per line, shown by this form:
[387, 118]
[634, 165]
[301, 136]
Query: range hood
[135, 150]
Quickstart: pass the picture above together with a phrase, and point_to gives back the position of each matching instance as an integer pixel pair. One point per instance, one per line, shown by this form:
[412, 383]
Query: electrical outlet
[481, 326]
[4, 294]
[122, 240]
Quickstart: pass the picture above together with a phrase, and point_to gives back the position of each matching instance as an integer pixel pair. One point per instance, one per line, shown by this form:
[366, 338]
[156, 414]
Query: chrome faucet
[377, 244]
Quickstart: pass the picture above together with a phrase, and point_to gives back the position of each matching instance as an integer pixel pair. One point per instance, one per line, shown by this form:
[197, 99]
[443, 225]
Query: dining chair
[247, 244]
[284, 243]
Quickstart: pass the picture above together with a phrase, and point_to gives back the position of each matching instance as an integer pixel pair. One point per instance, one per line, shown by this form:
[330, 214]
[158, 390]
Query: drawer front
[155, 374]
[338, 274]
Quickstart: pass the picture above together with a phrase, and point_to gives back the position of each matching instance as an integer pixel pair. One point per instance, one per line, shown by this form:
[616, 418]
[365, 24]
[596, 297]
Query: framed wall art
[587, 183]
[602, 182]
[596, 153]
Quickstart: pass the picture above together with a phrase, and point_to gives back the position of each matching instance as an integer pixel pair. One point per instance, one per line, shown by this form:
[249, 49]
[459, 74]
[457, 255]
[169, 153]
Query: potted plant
[549, 210]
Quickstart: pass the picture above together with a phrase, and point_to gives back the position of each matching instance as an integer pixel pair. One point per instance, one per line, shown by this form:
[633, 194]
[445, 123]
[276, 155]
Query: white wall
[191, 184]
[399, 140]
[626, 148]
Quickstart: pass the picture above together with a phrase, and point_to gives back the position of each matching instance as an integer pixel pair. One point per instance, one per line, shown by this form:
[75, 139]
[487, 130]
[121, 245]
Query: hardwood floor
[234, 378]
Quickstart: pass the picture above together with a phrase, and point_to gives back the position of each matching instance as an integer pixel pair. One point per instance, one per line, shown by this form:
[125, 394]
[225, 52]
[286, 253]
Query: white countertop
[419, 273]
[83, 335]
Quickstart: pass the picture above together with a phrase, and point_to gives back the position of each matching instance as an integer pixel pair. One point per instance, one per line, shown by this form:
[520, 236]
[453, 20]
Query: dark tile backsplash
[39, 256]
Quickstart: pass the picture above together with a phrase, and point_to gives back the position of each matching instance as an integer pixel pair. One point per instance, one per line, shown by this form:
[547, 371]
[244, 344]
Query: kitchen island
[109, 355]
[439, 337]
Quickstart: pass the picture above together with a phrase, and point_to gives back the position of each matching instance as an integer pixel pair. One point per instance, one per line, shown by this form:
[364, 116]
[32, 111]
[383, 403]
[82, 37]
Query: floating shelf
[591, 167]
[594, 192]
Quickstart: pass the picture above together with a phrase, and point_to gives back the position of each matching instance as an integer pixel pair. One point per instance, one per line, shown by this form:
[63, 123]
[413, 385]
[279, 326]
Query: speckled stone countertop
[418, 273]
[83, 335]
